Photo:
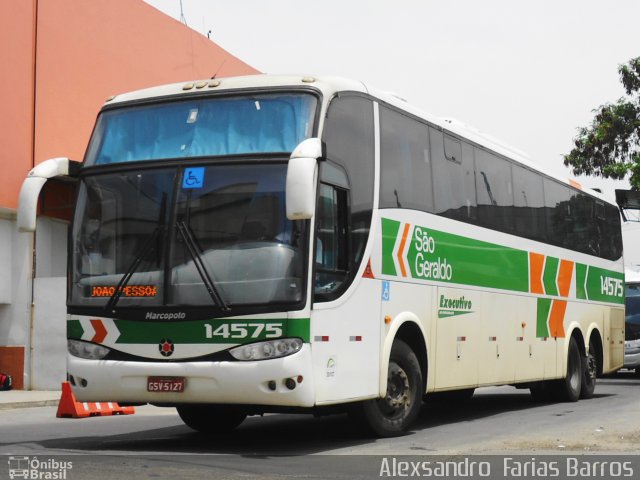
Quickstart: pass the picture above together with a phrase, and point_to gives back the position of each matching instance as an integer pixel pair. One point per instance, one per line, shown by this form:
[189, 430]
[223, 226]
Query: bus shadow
[272, 435]
[621, 377]
[291, 435]
[483, 406]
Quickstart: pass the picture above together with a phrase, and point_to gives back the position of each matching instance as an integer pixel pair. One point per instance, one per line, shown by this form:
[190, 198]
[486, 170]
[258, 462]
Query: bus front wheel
[211, 418]
[392, 415]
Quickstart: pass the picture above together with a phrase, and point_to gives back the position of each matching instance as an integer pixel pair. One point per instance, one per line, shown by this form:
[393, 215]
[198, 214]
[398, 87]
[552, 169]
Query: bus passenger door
[345, 332]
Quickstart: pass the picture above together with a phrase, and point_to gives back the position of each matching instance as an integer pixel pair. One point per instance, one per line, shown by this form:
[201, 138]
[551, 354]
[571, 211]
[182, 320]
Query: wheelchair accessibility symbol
[193, 177]
[386, 291]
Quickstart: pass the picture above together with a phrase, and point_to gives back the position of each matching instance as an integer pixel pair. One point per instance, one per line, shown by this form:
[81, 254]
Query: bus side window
[494, 190]
[453, 173]
[349, 171]
[331, 239]
[405, 162]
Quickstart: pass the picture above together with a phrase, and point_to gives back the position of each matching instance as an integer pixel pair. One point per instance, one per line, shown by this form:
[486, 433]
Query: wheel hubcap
[574, 380]
[398, 398]
[591, 367]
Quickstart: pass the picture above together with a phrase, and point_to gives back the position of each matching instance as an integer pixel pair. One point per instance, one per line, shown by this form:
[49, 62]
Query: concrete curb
[28, 404]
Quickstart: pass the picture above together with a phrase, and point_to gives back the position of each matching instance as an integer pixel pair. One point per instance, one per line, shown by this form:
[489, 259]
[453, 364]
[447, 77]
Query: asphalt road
[154, 443]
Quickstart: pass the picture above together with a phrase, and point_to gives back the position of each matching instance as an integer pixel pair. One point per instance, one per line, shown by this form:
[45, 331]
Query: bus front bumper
[223, 382]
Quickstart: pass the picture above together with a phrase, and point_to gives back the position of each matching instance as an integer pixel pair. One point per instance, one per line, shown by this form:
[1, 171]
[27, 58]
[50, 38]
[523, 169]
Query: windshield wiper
[144, 251]
[185, 232]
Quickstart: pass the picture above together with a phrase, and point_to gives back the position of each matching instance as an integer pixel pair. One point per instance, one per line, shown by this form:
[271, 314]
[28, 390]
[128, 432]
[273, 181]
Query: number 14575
[244, 330]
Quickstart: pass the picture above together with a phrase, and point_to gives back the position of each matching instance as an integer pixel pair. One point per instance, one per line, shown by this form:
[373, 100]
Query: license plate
[166, 384]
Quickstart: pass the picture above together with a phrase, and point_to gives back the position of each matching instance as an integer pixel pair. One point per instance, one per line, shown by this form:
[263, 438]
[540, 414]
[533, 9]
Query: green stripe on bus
[605, 285]
[221, 330]
[445, 257]
[550, 275]
[581, 279]
[74, 329]
[299, 327]
[542, 325]
[390, 230]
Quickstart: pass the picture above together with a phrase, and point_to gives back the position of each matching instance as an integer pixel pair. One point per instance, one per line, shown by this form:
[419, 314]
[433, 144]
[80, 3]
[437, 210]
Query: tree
[610, 146]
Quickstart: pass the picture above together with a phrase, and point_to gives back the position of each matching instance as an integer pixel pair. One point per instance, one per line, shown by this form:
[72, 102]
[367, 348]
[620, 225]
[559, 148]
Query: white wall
[50, 309]
[15, 287]
[6, 253]
[44, 334]
[49, 339]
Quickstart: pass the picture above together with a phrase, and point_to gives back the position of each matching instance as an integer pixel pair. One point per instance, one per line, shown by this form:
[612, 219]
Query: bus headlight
[267, 349]
[87, 350]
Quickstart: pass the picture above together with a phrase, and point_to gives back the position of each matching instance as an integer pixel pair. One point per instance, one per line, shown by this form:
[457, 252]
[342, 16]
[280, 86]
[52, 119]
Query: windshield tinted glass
[632, 305]
[203, 127]
[179, 233]
[239, 226]
[120, 221]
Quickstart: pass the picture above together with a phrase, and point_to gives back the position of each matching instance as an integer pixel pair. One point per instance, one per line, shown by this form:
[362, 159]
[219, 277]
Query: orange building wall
[16, 95]
[86, 51]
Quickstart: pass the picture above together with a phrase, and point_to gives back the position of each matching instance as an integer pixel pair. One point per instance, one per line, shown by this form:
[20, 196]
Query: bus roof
[330, 85]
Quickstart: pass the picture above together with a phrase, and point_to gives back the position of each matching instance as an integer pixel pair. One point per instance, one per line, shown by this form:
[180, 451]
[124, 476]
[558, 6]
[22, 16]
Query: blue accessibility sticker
[386, 291]
[193, 177]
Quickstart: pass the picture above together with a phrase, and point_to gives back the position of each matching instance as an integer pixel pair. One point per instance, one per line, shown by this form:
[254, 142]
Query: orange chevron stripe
[565, 272]
[556, 318]
[403, 242]
[101, 332]
[536, 267]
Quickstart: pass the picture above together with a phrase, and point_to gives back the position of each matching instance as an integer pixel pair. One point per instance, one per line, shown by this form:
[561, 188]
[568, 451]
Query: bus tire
[568, 388]
[211, 419]
[392, 415]
[589, 372]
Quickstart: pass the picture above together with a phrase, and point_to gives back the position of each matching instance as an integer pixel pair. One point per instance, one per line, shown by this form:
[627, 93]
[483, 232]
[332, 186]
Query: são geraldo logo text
[425, 267]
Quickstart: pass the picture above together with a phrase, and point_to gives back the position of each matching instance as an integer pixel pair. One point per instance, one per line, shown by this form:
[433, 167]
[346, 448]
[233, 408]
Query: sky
[528, 73]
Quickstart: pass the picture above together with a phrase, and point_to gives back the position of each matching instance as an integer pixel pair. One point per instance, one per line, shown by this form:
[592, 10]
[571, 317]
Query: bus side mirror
[302, 174]
[30, 190]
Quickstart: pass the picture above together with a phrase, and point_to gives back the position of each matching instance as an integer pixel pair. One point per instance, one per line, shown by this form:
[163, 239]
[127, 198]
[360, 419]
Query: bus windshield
[208, 235]
[203, 127]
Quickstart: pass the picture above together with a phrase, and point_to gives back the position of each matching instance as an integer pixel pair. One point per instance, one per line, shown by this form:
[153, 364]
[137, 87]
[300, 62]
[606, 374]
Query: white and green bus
[273, 244]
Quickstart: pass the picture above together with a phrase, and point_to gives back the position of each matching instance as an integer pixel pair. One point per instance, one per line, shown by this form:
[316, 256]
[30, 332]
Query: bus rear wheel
[568, 389]
[392, 415]
[589, 372]
[211, 419]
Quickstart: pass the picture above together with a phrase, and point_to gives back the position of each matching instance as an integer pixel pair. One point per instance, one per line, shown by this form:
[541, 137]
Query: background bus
[632, 322]
[271, 243]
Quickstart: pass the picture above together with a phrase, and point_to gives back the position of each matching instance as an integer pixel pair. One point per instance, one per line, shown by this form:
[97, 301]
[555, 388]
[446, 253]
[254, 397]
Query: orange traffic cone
[70, 408]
